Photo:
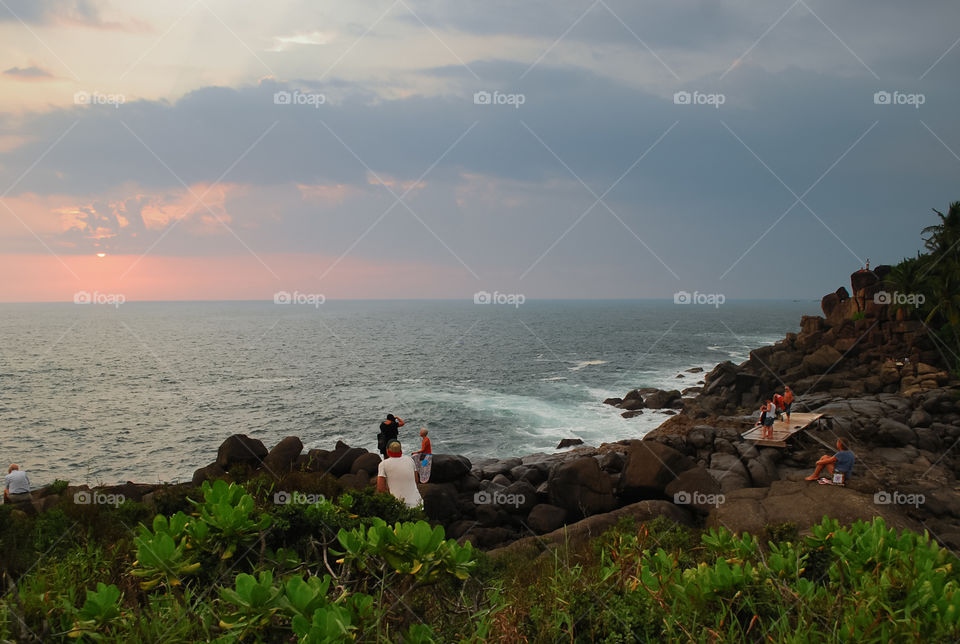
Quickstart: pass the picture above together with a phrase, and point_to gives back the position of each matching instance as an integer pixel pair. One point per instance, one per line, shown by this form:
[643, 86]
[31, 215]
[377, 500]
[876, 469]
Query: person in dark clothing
[389, 431]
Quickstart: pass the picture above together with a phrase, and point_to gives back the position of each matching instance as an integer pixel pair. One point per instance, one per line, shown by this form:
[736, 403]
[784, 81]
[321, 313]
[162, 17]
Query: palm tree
[945, 236]
[910, 277]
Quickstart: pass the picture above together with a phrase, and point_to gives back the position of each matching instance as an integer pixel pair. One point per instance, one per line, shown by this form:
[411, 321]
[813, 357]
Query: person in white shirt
[16, 485]
[396, 476]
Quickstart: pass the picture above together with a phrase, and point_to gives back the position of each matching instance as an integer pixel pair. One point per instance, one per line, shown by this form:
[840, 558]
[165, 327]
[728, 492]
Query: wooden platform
[781, 430]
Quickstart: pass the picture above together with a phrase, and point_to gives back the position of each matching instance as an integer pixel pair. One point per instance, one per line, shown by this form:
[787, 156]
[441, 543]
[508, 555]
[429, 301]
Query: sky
[207, 149]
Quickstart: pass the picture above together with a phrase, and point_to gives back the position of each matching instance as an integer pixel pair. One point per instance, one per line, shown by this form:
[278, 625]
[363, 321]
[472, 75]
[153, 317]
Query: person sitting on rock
[787, 401]
[389, 431]
[396, 476]
[841, 462]
[423, 457]
[17, 485]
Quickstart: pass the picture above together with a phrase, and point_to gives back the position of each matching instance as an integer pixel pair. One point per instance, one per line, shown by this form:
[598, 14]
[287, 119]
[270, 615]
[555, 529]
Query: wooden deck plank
[781, 430]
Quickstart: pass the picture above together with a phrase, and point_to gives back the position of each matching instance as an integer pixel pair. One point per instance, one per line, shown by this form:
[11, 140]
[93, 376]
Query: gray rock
[649, 468]
[447, 468]
[281, 458]
[701, 436]
[519, 497]
[920, 418]
[694, 488]
[545, 518]
[892, 433]
[240, 448]
[502, 480]
[581, 488]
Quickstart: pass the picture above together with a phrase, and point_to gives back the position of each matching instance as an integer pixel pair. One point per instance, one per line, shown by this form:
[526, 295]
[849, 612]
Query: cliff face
[860, 345]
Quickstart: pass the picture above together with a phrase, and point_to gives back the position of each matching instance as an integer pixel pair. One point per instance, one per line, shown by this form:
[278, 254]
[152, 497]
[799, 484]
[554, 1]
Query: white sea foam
[587, 363]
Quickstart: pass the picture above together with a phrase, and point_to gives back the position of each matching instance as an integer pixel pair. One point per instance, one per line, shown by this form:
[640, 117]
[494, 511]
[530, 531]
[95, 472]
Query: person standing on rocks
[767, 416]
[841, 462]
[396, 476]
[423, 458]
[787, 401]
[389, 431]
[779, 405]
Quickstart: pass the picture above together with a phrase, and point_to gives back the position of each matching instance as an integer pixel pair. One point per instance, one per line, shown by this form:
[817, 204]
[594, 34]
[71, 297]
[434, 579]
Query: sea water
[148, 391]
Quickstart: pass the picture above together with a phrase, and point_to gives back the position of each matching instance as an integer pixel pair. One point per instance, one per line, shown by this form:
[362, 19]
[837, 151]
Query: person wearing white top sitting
[396, 476]
[17, 485]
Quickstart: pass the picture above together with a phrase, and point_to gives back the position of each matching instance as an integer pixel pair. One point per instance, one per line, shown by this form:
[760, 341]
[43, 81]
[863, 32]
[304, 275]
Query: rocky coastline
[878, 379]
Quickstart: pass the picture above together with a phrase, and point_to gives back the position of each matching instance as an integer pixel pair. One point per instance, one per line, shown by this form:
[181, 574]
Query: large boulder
[801, 503]
[447, 468]
[650, 467]
[723, 375]
[545, 518]
[519, 497]
[821, 360]
[342, 458]
[695, 488]
[439, 501]
[369, 463]
[893, 434]
[281, 458]
[701, 436]
[240, 448]
[211, 472]
[579, 534]
[660, 399]
[581, 488]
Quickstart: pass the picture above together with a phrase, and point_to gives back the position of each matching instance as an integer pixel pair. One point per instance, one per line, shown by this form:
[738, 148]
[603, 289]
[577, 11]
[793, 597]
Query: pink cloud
[47, 278]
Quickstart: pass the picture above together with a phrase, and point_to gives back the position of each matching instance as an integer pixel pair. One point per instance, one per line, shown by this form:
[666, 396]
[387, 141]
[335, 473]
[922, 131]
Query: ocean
[147, 391]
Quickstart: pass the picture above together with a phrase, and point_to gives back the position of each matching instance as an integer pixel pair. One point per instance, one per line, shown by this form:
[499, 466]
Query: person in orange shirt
[424, 457]
[787, 401]
[778, 405]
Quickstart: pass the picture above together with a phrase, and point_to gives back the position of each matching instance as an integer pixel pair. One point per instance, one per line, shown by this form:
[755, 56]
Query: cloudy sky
[207, 149]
